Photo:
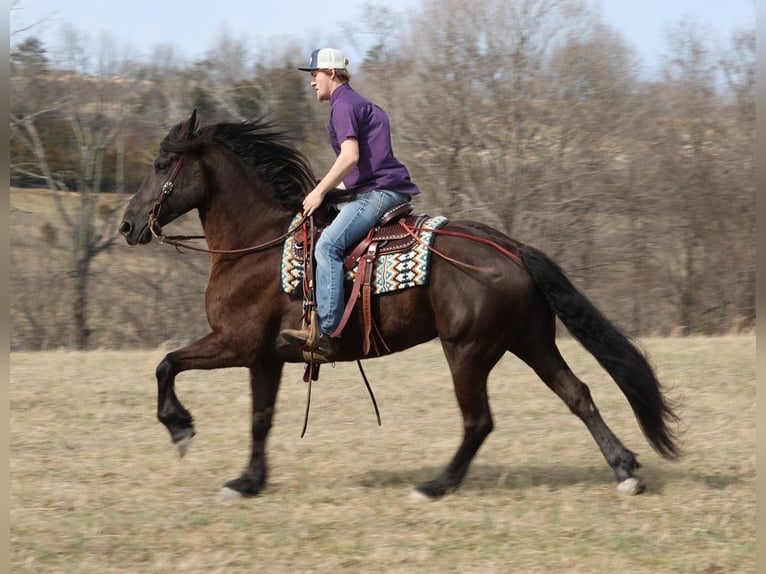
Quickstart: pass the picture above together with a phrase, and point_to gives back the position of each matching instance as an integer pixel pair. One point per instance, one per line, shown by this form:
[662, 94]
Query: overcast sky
[193, 25]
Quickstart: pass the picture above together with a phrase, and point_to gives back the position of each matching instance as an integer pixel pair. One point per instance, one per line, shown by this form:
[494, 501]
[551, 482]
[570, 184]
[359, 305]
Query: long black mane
[264, 148]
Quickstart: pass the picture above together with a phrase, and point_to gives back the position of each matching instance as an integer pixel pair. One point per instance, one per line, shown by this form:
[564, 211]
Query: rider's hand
[312, 202]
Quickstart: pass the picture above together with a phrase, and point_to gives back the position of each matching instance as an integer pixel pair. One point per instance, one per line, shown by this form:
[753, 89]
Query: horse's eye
[161, 166]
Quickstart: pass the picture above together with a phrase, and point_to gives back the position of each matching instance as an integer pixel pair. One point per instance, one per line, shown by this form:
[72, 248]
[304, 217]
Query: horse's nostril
[125, 227]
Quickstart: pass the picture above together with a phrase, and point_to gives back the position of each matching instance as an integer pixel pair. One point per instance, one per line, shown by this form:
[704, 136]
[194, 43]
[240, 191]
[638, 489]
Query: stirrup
[314, 335]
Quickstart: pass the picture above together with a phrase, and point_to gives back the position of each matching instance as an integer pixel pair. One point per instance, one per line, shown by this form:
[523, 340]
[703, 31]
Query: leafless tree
[474, 110]
[693, 191]
[91, 100]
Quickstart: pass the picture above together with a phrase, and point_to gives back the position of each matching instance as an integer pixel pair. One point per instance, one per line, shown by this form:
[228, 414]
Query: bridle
[167, 188]
[180, 241]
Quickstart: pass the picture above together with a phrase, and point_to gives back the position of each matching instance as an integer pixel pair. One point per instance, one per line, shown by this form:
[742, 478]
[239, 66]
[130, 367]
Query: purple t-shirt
[352, 115]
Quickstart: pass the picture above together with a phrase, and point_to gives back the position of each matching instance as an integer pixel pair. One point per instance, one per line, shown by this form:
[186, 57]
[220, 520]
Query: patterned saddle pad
[391, 271]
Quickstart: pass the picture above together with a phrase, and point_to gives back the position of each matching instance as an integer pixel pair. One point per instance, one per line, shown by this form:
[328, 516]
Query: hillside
[131, 288]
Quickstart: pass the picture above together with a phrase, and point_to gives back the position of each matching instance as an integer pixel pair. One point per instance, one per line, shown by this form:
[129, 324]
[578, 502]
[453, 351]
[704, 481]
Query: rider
[361, 138]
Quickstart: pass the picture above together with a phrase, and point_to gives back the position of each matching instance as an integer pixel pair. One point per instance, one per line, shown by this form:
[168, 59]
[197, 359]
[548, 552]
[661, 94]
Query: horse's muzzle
[132, 236]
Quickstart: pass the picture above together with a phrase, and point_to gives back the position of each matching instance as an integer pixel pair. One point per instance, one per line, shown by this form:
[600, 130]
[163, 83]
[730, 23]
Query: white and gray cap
[326, 59]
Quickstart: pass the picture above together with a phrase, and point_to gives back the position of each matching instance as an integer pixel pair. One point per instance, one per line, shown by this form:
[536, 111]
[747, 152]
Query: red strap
[352, 259]
[352, 298]
[363, 275]
[369, 261]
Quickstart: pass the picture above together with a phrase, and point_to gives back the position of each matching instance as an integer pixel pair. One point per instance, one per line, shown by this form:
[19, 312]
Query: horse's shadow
[487, 477]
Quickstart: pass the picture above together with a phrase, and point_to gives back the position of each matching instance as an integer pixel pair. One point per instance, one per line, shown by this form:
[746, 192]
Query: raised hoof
[631, 486]
[182, 441]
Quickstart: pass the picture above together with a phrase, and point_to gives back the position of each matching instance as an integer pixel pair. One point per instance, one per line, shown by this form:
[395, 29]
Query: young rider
[360, 135]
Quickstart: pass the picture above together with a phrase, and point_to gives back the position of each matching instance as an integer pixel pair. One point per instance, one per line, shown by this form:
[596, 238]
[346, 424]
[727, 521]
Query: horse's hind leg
[469, 375]
[547, 362]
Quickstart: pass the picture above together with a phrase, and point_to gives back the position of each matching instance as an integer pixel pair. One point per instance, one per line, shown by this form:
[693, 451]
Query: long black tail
[613, 350]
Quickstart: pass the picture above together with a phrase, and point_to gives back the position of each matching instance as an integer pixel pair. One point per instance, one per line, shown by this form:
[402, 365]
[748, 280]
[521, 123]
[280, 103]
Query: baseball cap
[326, 59]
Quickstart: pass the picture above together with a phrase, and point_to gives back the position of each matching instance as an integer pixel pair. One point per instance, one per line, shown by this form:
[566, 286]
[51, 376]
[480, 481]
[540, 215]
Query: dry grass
[96, 486]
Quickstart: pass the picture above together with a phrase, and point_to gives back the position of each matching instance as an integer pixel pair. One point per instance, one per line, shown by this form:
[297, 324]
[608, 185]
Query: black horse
[247, 182]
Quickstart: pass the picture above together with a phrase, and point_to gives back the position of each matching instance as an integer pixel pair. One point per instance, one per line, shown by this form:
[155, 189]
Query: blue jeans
[352, 223]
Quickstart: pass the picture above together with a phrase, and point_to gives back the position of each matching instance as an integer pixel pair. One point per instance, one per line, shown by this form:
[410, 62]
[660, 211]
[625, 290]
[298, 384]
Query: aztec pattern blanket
[391, 271]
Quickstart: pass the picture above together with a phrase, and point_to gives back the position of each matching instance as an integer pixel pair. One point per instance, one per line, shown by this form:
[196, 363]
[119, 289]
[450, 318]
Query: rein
[179, 241]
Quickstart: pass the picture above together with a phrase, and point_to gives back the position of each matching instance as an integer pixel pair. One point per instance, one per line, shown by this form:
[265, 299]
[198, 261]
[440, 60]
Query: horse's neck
[241, 214]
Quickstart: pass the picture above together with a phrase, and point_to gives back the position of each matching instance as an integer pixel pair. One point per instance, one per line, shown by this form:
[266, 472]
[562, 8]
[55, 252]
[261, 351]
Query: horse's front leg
[265, 376]
[206, 353]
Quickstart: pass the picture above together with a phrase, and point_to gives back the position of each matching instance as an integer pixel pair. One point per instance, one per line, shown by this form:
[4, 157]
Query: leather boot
[323, 352]
[295, 336]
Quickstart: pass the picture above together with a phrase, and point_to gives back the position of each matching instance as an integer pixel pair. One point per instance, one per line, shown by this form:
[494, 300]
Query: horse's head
[250, 168]
[170, 190]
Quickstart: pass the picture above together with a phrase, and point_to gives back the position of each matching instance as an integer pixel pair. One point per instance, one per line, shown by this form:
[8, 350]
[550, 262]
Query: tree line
[533, 116]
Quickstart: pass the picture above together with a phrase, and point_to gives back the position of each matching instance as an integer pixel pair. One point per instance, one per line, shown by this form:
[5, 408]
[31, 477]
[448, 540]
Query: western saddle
[389, 235]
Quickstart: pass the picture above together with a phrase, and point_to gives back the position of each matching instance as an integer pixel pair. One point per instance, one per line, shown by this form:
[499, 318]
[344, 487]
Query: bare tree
[224, 84]
[475, 123]
[437, 112]
[692, 167]
[288, 99]
[739, 66]
[20, 26]
[88, 103]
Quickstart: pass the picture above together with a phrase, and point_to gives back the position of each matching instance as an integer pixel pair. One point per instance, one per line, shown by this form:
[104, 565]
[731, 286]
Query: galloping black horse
[247, 183]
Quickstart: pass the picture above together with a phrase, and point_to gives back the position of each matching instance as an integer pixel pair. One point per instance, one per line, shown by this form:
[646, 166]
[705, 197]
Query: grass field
[96, 485]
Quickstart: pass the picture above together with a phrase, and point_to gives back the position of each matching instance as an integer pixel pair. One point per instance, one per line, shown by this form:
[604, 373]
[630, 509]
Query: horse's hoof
[631, 486]
[229, 495]
[183, 445]
[419, 497]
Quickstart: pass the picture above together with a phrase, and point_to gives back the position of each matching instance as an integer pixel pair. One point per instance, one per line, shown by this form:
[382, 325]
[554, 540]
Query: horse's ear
[189, 126]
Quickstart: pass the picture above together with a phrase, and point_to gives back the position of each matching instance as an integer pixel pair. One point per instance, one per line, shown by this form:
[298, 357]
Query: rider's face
[321, 81]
